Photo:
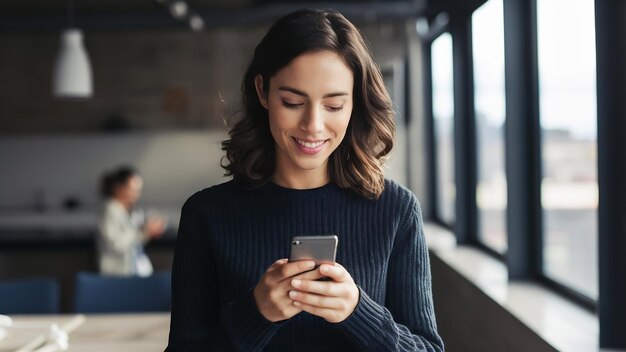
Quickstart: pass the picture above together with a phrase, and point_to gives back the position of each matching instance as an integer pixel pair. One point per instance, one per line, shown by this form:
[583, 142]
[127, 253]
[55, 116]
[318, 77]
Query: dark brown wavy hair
[357, 163]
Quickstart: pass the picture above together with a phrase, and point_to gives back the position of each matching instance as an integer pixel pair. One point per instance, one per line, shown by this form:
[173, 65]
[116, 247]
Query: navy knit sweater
[228, 237]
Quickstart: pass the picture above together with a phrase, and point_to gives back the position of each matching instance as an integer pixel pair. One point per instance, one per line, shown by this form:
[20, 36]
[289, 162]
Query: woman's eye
[291, 105]
[334, 108]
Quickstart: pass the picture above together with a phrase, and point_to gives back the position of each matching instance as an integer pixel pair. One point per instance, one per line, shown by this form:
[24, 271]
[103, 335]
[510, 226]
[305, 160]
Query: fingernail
[296, 303]
[296, 283]
[310, 264]
[293, 294]
[325, 269]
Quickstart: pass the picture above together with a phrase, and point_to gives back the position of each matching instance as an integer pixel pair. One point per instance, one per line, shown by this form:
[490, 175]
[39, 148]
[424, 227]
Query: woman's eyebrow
[301, 93]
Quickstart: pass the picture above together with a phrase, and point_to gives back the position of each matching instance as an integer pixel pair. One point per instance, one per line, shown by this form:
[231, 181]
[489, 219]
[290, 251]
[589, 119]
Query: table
[98, 332]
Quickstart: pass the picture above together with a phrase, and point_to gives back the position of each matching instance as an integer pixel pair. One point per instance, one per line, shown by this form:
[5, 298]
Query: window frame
[611, 78]
[437, 26]
[458, 25]
[481, 243]
[431, 135]
[524, 237]
[523, 153]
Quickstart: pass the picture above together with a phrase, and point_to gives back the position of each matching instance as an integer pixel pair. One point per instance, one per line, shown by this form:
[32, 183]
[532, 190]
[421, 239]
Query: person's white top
[120, 241]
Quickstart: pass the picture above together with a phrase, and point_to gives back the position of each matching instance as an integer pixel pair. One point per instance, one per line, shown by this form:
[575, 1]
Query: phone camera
[296, 243]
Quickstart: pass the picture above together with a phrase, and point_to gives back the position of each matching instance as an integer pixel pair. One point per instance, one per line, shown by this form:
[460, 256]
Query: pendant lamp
[72, 70]
[71, 77]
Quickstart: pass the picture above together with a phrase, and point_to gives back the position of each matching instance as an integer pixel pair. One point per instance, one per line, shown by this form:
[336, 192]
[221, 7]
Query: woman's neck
[305, 179]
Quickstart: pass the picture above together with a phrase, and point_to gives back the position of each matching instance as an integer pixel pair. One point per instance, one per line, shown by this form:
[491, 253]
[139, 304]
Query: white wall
[174, 165]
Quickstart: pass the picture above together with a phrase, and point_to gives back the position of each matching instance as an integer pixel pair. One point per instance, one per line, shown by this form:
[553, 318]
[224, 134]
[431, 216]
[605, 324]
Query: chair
[29, 296]
[95, 293]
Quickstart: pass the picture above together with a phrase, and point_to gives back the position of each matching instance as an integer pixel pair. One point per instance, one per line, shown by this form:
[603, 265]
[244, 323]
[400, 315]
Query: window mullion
[611, 85]
[464, 128]
[523, 160]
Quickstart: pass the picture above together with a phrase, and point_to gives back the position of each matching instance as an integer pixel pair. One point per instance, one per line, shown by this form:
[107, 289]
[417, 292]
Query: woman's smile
[310, 147]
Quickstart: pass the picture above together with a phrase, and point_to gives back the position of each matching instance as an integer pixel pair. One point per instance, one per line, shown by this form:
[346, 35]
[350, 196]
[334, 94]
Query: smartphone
[321, 249]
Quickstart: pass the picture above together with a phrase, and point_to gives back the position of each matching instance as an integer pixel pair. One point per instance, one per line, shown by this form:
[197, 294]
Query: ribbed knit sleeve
[407, 321]
[197, 322]
[247, 329]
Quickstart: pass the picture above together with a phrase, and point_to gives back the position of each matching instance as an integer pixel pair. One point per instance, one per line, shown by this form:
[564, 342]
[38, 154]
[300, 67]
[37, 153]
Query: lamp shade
[72, 71]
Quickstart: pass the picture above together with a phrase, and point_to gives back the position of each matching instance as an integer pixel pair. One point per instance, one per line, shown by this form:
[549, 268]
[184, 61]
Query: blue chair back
[29, 296]
[95, 293]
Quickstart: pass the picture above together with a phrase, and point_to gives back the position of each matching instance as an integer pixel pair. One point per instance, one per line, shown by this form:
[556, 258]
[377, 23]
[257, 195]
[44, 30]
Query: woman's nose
[313, 121]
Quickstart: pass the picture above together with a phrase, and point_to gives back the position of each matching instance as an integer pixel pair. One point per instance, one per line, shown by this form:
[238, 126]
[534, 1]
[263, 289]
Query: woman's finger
[317, 300]
[336, 272]
[330, 315]
[277, 263]
[286, 270]
[309, 275]
[326, 288]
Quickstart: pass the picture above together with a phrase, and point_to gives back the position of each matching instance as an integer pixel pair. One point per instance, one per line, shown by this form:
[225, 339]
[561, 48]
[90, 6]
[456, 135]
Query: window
[443, 113]
[489, 102]
[569, 188]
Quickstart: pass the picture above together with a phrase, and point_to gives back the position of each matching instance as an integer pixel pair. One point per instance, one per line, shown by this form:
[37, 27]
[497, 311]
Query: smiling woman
[325, 70]
[306, 159]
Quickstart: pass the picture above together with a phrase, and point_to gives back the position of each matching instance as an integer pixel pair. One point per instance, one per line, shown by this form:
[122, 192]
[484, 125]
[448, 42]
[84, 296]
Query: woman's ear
[258, 84]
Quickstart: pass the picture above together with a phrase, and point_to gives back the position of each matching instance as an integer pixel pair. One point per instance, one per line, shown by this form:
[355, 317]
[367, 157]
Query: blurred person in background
[124, 229]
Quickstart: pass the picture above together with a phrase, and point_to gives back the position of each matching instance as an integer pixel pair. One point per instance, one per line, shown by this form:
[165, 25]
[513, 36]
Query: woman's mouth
[310, 147]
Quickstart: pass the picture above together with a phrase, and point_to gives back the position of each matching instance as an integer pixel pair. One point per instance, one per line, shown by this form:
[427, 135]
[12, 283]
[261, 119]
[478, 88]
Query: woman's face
[309, 103]
[128, 193]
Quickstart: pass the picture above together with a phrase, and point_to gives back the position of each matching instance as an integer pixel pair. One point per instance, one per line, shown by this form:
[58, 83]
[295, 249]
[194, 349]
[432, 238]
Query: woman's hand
[154, 227]
[271, 293]
[332, 300]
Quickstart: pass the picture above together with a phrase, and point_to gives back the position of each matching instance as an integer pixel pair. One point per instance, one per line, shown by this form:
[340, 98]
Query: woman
[306, 159]
[123, 229]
